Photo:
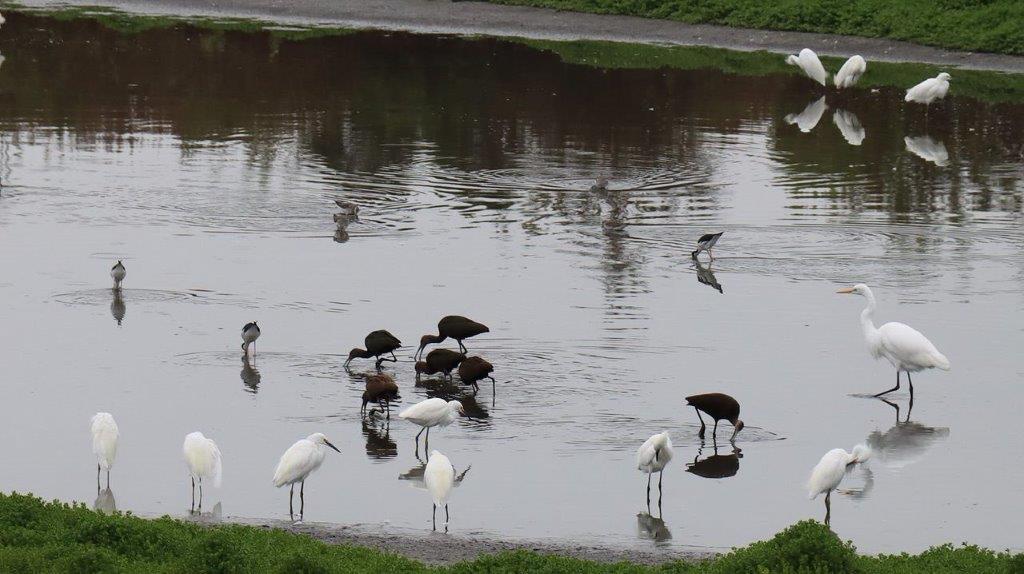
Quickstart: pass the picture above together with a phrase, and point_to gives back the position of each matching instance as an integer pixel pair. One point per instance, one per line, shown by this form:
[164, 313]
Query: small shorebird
[117, 273]
[829, 472]
[706, 243]
[454, 327]
[250, 332]
[377, 343]
[718, 406]
[297, 463]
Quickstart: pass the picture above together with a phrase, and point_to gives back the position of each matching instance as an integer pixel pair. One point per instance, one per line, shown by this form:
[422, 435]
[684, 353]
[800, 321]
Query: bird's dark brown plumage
[380, 389]
[475, 369]
[718, 406]
[440, 361]
[454, 327]
[377, 343]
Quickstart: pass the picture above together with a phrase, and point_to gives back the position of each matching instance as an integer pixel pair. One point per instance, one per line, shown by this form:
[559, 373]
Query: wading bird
[454, 327]
[439, 478]
[601, 185]
[651, 457]
[903, 346]
[850, 73]
[250, 332]
[297, 463]
[830, 471]
[380, 389]
[718, 406]
[441, 361]
[104, 443]
[475, 369]
[117, 273]
[705, 243]
[377, 343]
[431, 413]
[203, 460]
[808, 62]
[929, 90]
[349, 210]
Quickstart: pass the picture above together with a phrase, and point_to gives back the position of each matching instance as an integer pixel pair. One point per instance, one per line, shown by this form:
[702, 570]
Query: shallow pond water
[209, 162]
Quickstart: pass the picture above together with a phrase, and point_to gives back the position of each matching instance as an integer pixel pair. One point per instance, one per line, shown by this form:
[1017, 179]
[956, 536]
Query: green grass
[37, 536]
[979, 25]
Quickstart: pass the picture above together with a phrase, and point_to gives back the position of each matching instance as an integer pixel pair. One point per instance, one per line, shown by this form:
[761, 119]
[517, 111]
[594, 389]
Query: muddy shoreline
[478, 18]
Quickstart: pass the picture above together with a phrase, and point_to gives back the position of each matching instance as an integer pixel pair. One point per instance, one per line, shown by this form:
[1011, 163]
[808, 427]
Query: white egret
[203, 459]
[850, 73]
[829, 472]
[706, 243]
[2, 20]
[903, 346]
[250, 332]
[808, 62]
[104, 443]
[651, 457]
[117, 273]
[929, 90]
[439, 478]
[431, 413]
[849, 125]
[297, 463]
[809, 118]
[928, 149]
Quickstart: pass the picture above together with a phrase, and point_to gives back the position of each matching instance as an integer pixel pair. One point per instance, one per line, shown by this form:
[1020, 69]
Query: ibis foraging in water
[454, 327]
[297, 463]
[705, 243]
[105, 435]
[902, 345]
[117, 273]
[441, 361]
[718, 406]
[475, 369]
[250, 332]
[377, 343]
[380, 389]
[651, 457]
[829, 472]
[431, 413]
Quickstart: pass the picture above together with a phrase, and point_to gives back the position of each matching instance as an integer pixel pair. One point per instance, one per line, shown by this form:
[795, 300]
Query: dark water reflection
[212, 161]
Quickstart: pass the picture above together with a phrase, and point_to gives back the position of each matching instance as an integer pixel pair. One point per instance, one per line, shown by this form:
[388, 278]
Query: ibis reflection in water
[715, 465]
[379, 445]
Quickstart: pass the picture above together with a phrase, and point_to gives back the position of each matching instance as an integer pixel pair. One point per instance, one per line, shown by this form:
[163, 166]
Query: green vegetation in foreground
[981, 85]
[37, 536]
[979, 25]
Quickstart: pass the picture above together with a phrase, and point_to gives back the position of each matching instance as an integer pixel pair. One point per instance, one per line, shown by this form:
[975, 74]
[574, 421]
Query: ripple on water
[103, 296]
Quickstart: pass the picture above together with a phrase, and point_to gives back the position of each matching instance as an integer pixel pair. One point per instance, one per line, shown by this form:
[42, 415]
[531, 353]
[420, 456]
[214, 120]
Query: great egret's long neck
[867, 317]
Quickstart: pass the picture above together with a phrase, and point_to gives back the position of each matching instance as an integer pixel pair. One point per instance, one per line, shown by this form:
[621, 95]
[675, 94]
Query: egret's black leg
[97, 478]
[291, 495]
[433, 516]
[446, 513]
[714, 431]
[828, 508]
[911, 383]
[200, 494]
[648, 491]
[193, 494]
[108, 478]
[910, 408]
[661, 475]
[702, 426]
[896, 388]
[302, 499]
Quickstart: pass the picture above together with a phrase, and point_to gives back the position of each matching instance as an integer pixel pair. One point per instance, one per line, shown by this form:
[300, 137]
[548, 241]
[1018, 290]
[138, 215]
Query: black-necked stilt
[250, 332]
[455, 327]
[706, 243]
[475, 369]
[718, 406]
[380, 389]
[442, 361]
[377, 343]
[118, 273]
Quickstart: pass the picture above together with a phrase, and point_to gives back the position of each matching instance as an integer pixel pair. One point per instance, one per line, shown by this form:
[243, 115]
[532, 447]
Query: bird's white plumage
[927, 149]
[831, 469]
[105, 435]
[300, 460]
[432, 412]
[809, 118]
[849, 125]
[202, 457]
[654, 454]
[929, 90]
[903, 346]
[850, 73]
[2, 20]
[439, 477]
[808, 62]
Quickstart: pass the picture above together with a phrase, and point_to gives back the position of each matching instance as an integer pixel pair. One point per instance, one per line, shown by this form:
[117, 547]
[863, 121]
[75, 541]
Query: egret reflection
[809, 118]
[117, 306]
[653, 528]
[905, 442]
[415, 476]
[250, 376]
[849, 125]
[926, 148]
[705, 276]
[105, 502]
[715, 465]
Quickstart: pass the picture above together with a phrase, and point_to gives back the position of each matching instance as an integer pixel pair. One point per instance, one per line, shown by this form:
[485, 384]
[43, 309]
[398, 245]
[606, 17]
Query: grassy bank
[985, 26]
[37, 536]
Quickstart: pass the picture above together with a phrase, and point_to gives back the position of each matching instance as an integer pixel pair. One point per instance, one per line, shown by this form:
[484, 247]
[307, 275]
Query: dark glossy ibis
[705, 243]
[453, 327]
[442, 361]
[475, 369]
[718, 406]
[380, 389]
[377, 343]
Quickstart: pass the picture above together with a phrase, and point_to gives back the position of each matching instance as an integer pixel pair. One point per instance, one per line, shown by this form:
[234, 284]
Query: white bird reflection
[849, 125]
[652, 528]
[906, 442]
[105, 501]
[928, 149]
[415, 476]
[809, 118]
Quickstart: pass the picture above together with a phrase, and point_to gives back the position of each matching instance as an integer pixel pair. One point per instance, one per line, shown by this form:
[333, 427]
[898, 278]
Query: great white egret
[454, 327]
[903, 346]
[718, 406]
[849, 125]
[431, 413]
[652, 457]
[829, 472]
[706, 243]
[250, 332]
[928, 149]
[850, 73]
[808, 62]
[105, 435]
[117, 273]
[808, 119]
[298, 462]
[203, 460]
[377, 343]
[439, 478]
[929, 90]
